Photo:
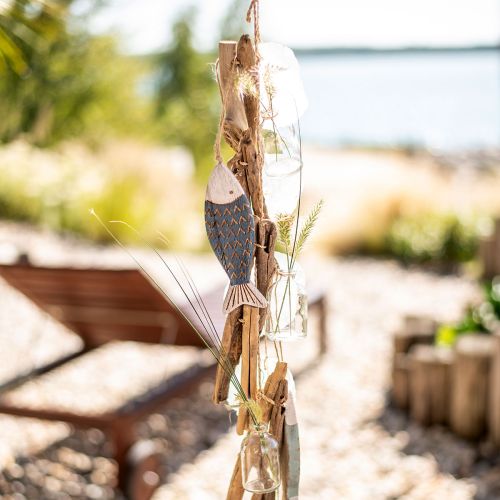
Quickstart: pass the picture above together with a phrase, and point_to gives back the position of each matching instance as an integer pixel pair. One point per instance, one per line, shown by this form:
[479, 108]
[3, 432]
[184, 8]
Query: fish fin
[247, 293]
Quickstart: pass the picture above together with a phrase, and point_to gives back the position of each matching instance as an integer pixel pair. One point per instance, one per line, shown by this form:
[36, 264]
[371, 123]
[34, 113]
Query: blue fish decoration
[230, 228]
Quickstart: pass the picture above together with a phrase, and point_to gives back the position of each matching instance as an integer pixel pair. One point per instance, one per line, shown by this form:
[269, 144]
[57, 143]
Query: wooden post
[429, 384]
[494, 409]
[470, 386]
[400, 375]
[440, 387]
[414, 331]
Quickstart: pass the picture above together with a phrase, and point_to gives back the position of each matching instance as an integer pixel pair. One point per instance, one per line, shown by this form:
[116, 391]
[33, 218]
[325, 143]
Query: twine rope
[224, 95]
[253, 11]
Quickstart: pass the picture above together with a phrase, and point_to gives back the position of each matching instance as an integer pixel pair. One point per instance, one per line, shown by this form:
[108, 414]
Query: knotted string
[253, 11]
[223, 95]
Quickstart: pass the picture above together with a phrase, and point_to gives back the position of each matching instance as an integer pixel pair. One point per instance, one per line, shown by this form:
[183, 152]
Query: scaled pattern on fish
[230, 228]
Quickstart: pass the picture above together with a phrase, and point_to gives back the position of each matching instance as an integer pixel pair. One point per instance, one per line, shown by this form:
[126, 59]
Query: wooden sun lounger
[109, 310]
[103, 306]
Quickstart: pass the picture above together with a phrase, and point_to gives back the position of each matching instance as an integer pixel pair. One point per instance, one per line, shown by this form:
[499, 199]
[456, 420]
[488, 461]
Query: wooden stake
[494, 406]
[471, 376]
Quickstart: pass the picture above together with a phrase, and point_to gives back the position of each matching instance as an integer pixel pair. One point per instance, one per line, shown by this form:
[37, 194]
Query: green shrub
[57, 190]
[432, 238]
[483, 318]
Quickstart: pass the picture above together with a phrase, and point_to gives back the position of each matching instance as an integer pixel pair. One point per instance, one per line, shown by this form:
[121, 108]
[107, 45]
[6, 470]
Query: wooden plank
[102, 305]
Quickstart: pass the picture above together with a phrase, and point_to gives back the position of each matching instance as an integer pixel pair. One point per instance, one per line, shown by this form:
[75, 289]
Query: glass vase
[287, 300]
[281, 173]
[259, 455]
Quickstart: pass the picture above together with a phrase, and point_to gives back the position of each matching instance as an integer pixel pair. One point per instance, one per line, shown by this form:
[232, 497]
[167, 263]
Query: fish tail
[247, 293]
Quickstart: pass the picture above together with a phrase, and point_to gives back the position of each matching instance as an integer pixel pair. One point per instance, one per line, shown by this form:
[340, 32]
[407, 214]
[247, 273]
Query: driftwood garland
[247, 166]
[241, 130]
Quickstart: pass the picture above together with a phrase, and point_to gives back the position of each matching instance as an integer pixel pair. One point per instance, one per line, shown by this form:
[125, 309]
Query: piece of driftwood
[235, 120]
[429, 384]
[231, 352]
[470, 386]
[494, 401]
[249, 356]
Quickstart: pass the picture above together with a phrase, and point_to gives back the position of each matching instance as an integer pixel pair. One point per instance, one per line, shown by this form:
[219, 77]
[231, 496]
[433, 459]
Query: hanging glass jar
[259, 455]
[282, 166]
[287, 301]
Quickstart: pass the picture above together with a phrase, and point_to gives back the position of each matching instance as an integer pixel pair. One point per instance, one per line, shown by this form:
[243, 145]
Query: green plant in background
[484, 318]
[63, 82]
[443, 238]
[187, 96]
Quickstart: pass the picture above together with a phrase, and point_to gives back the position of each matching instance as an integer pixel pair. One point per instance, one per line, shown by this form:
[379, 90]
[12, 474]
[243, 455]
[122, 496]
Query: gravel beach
[353, 445]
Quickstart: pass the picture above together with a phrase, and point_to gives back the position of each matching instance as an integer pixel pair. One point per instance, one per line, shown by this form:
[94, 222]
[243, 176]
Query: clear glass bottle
[260, 466]
[287, 299]
[282, 166]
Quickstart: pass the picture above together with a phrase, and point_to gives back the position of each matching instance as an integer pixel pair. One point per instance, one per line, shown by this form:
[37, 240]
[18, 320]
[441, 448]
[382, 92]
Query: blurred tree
[62, 82]
[187, 96]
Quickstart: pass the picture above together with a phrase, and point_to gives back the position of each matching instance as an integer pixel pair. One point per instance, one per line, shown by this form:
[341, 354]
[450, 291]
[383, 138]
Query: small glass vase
[287, 299]
[260, 466]
[282, 167]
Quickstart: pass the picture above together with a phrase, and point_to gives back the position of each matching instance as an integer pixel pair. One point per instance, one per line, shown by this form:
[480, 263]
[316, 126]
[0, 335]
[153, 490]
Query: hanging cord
[253, 11]
[220, 129]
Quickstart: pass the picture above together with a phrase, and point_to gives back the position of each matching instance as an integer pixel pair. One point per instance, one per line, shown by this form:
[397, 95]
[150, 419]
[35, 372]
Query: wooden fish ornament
[230, 228]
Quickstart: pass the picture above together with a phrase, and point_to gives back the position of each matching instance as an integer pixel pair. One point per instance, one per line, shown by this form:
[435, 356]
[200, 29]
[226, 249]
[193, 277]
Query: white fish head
[223, 187]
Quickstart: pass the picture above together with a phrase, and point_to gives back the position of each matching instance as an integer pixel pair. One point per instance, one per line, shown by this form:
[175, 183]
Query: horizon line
[392, 50]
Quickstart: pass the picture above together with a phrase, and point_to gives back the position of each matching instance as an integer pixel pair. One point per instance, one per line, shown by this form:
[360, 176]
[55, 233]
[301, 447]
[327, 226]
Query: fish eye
[231, 192]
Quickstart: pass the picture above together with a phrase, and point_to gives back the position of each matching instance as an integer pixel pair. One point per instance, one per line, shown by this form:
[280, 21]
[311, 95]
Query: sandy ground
[353, 446]
[365, 190]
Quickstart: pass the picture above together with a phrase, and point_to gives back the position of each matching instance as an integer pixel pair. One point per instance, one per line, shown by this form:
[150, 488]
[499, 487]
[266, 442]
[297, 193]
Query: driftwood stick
[265, 262]
[235, 121]
[242, 423]
[247, 60]
[231, 351]
[253, 351]
[236, 490]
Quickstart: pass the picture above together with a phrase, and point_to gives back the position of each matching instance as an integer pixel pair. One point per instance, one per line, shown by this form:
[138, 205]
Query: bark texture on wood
[231, 351]
[249, 356]
[235, 121]
[470, 388]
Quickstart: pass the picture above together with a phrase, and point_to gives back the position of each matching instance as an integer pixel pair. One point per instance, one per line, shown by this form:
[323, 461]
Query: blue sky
[144, 24]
